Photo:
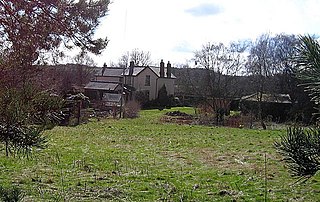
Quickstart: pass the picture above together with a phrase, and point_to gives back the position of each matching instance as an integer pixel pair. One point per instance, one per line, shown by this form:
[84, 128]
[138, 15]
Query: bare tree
[269, 56]
[84, 59]
[139, 57]
[84, 68]
[215, 78]
[222, 64]
[124, 60]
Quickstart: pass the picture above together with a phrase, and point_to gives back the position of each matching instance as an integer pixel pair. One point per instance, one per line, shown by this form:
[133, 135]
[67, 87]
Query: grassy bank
[144, 159]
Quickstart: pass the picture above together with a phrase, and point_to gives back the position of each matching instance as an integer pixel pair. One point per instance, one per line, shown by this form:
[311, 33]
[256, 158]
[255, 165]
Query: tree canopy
[31, 28]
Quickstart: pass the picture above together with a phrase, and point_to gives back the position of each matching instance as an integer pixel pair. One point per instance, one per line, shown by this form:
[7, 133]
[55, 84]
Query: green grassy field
[144, 159]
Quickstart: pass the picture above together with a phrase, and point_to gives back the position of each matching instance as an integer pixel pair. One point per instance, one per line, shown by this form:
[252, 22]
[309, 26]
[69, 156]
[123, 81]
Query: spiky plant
[301, 151]
[307, 63]
[301, 147]
[11, 194]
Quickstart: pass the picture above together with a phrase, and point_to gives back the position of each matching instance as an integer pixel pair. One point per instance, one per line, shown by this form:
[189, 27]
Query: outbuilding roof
[271, 98]
[95, 85]
[110, 71]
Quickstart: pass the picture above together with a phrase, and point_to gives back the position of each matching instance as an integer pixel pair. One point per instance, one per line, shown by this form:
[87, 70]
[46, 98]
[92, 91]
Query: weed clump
[132, 109]
[11, 194]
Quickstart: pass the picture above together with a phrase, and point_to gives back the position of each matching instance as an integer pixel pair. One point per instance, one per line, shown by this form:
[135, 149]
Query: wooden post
[79, 103]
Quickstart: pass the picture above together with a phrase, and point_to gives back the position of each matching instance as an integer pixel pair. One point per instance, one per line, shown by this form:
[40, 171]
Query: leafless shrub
[131, 109]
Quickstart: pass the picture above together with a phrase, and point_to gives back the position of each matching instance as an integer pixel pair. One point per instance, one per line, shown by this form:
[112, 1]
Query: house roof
[271, 98]
[136, 71]
[113, 72]
[155, 70]
[94, 85]
[118, 71]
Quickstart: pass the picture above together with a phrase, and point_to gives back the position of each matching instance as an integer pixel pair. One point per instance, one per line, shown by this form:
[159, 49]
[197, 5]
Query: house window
[147, 81]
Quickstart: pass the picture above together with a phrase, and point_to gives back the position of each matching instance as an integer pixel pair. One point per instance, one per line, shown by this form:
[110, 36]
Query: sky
[173, 30]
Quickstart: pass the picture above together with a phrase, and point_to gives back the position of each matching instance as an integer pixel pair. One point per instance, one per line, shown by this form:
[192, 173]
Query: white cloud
[173, 29]
[204, 10]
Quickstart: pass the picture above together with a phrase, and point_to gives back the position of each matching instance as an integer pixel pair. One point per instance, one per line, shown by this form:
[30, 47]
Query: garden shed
[274, 106]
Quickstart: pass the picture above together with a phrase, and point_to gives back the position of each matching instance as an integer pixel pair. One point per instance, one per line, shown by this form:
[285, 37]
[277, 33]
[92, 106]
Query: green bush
[301, 151]
[24, 114]
[11, 194]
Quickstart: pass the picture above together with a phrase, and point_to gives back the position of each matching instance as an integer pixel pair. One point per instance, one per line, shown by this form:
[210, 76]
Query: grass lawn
[145, 160]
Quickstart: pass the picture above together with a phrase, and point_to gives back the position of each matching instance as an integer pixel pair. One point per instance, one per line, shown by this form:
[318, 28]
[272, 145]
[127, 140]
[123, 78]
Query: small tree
[24, 115]
[301, 148]
[131, 109]
[141, 97]
[163, 98]
[29, 30]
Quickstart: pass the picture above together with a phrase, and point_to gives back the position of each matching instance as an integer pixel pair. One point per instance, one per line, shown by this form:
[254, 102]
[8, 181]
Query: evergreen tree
[308, 67]
[24, 115]
[28, 30]
[163, 98]
[301, 147]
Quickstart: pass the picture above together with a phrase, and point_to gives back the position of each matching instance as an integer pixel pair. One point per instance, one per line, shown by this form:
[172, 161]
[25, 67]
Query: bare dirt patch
[177, 117]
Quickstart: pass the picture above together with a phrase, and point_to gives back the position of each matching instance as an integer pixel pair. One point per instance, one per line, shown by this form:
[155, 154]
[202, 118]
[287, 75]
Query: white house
[147, 79]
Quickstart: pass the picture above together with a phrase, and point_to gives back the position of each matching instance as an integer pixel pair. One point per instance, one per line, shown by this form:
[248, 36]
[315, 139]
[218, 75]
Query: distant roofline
[126, 70]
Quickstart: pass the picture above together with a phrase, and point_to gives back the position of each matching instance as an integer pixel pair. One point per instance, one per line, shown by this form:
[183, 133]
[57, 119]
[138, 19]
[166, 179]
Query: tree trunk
[7, 148]
[260, 112]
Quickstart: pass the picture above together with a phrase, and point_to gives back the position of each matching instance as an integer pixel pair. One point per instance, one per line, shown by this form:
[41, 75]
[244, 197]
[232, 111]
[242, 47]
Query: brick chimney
[169, 70]
[131, 68]
[161, 69]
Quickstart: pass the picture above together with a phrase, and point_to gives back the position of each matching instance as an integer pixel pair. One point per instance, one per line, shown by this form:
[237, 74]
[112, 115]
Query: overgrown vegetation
[11, 194]
[31, 31]
[131, 109]
[301, 150]
[24, 115]
[144, 159]
[301, 147]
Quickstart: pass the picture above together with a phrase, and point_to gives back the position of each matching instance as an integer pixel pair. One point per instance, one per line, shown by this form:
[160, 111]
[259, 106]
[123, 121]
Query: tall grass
[145, 159]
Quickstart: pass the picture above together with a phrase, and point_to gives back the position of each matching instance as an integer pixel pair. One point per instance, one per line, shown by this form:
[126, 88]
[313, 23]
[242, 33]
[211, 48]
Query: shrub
[13, 194]
[141, 97]
[301, 151]
[131, 109]
[24, 115]
[163, 98]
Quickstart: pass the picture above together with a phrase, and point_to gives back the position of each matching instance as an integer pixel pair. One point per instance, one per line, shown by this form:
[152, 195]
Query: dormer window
[147, 81]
